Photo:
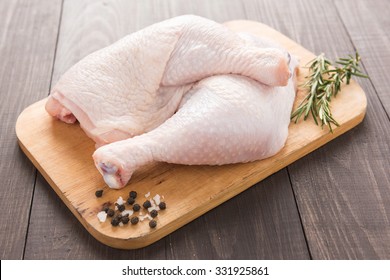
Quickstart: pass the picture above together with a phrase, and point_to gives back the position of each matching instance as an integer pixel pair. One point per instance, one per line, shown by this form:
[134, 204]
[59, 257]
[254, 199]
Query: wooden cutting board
[62, 153]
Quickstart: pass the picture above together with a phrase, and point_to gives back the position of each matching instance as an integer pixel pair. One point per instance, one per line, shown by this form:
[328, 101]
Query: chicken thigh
[134, 85]
[223, 119]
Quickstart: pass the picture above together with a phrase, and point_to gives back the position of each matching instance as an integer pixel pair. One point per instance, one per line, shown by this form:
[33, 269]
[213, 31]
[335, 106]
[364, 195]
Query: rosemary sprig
[323, 82]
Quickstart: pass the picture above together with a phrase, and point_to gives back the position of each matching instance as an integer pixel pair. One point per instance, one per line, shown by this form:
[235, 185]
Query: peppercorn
[162, 205]
[153, 213]
[106, 208]
[147, 204]
[110, 212]
[115, 222]
[134, 220]
[118, 217]
[136, 207]
[99, 193]
[133, 194]
[125, 219]
[152, 223]
[130, 201]
[121, 207]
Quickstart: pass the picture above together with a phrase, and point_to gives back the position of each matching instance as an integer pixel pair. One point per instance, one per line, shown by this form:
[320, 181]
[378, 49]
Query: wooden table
[331, 204]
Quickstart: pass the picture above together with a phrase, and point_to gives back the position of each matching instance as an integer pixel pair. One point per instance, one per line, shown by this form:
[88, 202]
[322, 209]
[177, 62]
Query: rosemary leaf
[322, 83]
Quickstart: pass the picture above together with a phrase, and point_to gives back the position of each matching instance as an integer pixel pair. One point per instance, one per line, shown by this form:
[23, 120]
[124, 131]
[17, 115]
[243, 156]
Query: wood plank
[203, 187]
[184, 243]
[371, 38]
[342, 189]
[260, 223]
[87, 27]
[28, 32]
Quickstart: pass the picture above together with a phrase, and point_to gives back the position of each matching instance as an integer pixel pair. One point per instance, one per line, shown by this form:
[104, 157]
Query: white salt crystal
[157, 199]
[120, 201]
[147, 195]
[130, 212]
[141, 218]
[102, 216]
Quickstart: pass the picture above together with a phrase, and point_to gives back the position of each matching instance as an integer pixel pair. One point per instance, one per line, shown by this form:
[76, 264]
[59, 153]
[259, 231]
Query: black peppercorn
[115, 222]
[125, 219]
[110, 212]
[162, 205]
[106, 208]
[130, 201]
[152, 223]
[99, 193]
[121, 207]
[133, 194]
[147, 204]
[153, 213]
[134, 220]
[136, 207]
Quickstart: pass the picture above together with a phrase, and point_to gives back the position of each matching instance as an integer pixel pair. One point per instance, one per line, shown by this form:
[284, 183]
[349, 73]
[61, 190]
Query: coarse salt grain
[144, 217]
[102, 216]
[157, 199]
[130, 212]
[151, 208]
[121, 224]
[147, 195]
[120, 201]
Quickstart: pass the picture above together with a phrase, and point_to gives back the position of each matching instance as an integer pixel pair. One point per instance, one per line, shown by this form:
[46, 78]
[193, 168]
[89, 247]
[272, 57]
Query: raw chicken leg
[222, 119]
[134, 85]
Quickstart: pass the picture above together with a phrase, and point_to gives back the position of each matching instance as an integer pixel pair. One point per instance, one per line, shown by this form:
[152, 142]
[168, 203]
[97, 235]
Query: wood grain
[201, 187]
[343, 218]
[262, 222]
[87, 26]
[371, 38]
[342, 189]
[28, 32]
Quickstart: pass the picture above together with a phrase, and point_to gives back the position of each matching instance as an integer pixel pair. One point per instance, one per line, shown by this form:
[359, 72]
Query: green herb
[323, 82]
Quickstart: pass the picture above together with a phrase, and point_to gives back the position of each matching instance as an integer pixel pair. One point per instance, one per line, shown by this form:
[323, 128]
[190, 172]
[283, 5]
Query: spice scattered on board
[147, 204]
[136, 207]
[153, 223]
[134, 220]
[99, 193]
[121, 216]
